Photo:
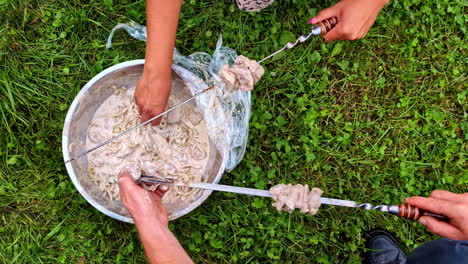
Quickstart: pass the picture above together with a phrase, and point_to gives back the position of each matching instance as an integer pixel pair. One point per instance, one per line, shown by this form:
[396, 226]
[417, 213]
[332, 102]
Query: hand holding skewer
[453, 206]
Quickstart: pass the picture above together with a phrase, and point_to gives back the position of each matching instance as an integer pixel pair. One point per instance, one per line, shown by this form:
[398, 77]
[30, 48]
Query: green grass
[374, 120]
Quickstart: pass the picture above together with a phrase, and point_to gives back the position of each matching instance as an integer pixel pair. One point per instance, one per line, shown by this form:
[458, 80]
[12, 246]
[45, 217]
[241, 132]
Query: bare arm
[161, 246]
[154, 87]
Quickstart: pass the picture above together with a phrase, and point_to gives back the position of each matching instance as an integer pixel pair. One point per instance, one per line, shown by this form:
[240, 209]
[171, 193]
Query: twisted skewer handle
[327, 24]
[413, 213]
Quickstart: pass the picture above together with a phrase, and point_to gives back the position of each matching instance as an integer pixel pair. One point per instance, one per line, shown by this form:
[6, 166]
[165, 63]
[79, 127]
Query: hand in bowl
[142, 204]
[152, 94]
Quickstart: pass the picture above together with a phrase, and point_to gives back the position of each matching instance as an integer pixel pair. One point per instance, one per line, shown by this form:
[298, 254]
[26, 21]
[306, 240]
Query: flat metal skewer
[402, 210]
[235, 189]
[138, 126]
[323, 27]
[314, 31]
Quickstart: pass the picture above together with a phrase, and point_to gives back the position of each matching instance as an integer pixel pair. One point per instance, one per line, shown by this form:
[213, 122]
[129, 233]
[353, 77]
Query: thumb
[324, 14]
[440, 228]
[126, 183]
[161, 190]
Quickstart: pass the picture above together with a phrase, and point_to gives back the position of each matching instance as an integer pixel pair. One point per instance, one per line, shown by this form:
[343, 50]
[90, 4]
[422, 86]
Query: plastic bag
[226, 113]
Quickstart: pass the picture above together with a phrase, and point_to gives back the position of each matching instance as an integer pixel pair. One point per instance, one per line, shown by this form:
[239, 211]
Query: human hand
[142, 204]
[355, 18]
[151, 95]
[452, 205]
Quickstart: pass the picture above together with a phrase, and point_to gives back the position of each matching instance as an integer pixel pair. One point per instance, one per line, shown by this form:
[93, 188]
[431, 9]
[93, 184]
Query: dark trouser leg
[443, 251]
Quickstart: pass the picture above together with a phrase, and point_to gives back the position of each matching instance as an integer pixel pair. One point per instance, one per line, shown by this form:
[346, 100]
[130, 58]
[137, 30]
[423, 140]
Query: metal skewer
[322, 28]
[313, 32]
[402, 210]
[140, 125]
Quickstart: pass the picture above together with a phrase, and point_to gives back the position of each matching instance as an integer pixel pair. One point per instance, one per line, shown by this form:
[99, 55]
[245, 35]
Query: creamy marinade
[176, 149]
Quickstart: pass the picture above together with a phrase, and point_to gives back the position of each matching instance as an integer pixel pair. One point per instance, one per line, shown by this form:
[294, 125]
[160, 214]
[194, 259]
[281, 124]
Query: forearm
[162, 17]
[161, 246]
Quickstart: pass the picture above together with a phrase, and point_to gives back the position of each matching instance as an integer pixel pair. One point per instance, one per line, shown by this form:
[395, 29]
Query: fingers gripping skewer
[327, 25]
[413, 213]
[404, 211]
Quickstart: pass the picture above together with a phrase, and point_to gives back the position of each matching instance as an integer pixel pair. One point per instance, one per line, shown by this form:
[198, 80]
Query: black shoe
[383, 248]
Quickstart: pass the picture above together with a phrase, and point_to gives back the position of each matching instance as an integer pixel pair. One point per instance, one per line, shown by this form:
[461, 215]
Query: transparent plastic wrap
[226, 112]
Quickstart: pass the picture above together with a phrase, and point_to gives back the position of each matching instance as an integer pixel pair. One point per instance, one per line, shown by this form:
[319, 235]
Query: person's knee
[440, 251]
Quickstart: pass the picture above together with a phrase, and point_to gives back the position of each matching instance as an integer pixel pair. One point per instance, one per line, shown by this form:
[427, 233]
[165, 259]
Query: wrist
[157, 80]
[156, 70]
[152, 223]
